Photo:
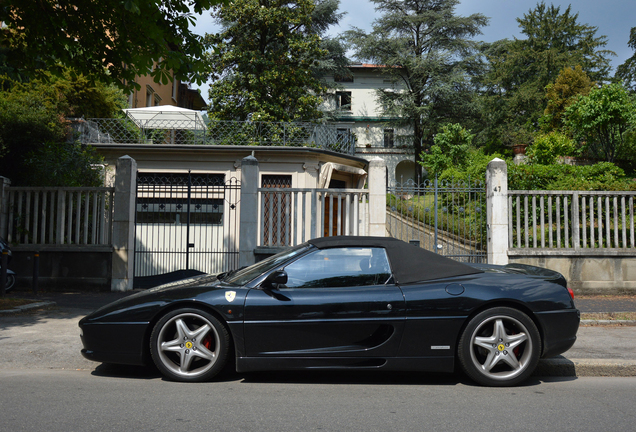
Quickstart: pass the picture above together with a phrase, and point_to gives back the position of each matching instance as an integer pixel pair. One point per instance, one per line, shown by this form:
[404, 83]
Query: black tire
[499, 347]
[10, 283]
[189, 345]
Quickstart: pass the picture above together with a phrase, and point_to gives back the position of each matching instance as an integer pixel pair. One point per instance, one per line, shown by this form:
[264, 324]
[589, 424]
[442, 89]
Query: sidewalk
[601, 349]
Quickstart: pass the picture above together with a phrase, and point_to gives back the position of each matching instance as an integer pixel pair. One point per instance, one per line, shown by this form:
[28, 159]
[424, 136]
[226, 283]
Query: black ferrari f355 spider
[354, 303]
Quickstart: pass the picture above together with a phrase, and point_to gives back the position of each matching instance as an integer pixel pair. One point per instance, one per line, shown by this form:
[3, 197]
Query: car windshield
[247, 274]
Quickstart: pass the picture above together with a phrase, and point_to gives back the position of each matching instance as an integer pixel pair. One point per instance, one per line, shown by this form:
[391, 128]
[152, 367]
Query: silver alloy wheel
[10, 283]
[501, 347]
[188, 345]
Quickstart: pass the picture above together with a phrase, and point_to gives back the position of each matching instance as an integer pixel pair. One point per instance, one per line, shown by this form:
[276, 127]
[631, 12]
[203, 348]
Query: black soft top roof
[408, 262]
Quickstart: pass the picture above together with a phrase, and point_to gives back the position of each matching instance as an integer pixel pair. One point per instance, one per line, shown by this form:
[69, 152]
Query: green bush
[600, 176]
[548, 147]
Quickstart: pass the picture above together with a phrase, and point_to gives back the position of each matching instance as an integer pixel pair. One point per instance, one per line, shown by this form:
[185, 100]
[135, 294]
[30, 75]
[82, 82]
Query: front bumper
[121, 343]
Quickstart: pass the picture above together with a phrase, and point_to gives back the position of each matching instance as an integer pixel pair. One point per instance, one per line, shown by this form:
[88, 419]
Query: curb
[608, 323]
[563, 367]
[28, 307]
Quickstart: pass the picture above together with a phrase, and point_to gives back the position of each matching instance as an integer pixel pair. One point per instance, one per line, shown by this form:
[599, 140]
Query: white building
[357, 109]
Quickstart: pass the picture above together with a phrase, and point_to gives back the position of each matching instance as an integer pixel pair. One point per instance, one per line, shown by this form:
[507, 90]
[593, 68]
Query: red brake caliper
[207, 342]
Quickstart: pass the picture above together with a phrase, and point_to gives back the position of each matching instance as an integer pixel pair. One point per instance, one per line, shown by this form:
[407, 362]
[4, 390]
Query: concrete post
[497, 211]
[248, 233]
[124, 224]
[377, 197]
[4, 206]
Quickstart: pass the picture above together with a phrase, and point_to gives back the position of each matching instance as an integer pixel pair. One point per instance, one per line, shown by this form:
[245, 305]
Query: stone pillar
[248, 233]
[124, 224]
[497, 211]
[377, 197]
[4, 206]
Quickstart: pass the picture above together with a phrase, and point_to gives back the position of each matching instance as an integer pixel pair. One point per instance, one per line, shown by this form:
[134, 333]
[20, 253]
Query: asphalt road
[47, 386]
[113, 400]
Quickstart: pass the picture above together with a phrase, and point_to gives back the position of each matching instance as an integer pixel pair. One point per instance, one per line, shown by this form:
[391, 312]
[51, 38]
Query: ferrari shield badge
[230, 295]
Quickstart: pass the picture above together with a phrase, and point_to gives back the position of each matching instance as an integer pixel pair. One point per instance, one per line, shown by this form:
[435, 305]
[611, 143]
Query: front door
[337, 302]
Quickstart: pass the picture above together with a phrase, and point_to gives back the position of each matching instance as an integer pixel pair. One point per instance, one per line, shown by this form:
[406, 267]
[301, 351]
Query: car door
[336, 302]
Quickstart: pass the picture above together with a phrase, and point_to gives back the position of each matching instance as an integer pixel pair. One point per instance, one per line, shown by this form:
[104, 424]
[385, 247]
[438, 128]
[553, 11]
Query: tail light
[571, 293]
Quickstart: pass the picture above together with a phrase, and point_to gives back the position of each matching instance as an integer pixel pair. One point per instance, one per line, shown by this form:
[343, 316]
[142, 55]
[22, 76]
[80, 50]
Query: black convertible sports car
[344, 303]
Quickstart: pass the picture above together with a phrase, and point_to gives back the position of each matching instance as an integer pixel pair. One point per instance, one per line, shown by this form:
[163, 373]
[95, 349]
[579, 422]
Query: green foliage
[627, 71]
[520, 69]
[64, 164]
[429, 50]
[600, 176]
[110, 40]
[263, 62]
[547, 148]
[450, 149]
[602, 120]
[33, 114]
[25, 122]
[568, 86]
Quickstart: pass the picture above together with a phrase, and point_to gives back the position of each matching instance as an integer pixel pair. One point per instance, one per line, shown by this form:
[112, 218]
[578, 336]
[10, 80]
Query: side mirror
[274, 279]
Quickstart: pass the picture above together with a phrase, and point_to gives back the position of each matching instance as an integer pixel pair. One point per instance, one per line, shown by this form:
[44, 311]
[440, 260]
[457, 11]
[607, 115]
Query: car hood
[189, 288]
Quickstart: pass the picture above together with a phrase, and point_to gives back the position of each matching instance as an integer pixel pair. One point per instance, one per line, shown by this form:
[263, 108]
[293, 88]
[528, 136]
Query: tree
[627, 71]
[34, 130]
[265, 60]
[520, 69]
[570, 83]
[426, 47]
[603, 120]
[112, 40]
[450, 149]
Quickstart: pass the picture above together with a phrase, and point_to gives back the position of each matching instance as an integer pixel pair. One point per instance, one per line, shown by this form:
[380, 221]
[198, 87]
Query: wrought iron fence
[216, 132]
[571, 219]
[186, 221]
[290, 216]
[447, 217]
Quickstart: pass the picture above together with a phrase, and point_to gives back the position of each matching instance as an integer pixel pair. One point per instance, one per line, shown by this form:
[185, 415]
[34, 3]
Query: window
[175, 85]
[346, 77]
[388, 138]
[343, 135]
[276, 211]
[343, 101]
[162, 198]
[149, 93]
[339, 267]
[157, 211]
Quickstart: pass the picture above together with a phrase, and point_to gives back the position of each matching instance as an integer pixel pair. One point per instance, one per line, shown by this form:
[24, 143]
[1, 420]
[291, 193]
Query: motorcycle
[10, 274]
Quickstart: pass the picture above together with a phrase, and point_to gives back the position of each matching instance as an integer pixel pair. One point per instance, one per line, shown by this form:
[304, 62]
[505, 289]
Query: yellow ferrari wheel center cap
[188, 345]
[501, 347]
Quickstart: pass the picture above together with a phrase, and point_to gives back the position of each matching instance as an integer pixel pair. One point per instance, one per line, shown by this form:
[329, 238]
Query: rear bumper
[559, 330]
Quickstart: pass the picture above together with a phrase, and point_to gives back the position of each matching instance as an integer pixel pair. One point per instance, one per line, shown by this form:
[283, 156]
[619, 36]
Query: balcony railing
[216, 132]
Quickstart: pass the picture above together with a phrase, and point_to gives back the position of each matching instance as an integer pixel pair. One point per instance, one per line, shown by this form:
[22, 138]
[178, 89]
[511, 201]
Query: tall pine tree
[520, 69]
[425, 47]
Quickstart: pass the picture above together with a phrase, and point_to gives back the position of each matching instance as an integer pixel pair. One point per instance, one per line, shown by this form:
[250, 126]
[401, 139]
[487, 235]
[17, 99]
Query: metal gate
[186, 221]
[447, 217]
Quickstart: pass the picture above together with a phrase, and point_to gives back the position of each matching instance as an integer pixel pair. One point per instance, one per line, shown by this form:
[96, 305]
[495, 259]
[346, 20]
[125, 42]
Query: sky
[614, 19]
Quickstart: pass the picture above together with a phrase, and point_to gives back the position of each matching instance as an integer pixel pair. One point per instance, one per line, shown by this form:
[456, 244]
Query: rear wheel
[189, 345]
[499, 347]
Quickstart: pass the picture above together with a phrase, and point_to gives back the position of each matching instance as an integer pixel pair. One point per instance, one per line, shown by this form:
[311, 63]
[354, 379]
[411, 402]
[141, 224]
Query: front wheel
[10, 283]
[189, 345]
[499, 347]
